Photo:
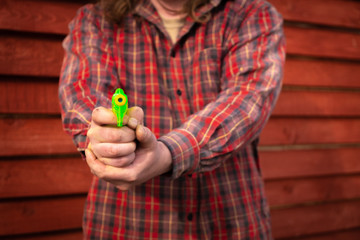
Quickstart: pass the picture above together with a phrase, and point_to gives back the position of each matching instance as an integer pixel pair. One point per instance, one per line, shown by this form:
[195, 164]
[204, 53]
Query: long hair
[116, 10]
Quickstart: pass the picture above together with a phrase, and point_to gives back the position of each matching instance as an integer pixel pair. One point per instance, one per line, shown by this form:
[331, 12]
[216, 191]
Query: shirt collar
[147, 10]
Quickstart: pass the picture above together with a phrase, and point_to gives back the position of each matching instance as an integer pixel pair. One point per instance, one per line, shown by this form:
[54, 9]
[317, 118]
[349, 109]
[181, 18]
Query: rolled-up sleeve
[88, 74]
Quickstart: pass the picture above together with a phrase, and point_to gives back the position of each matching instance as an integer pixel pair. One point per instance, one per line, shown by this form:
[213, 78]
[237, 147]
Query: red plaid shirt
[207, 97]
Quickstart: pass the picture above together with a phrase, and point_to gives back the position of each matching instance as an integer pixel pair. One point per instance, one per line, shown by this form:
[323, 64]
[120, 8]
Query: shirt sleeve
[250, 84]
[88, 75]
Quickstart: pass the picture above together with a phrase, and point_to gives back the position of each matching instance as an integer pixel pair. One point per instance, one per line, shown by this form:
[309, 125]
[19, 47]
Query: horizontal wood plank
[40, 215]
[322, 43]
[34, 137]
[309, 162]
[351, 234]
[27, 55]
[321, 73]
[43, 177]
[29, 96]
[338, 13]
[38, 15]
[318, 103]
[67, 235]
[313, 219]
[310, 190]
[290, 131]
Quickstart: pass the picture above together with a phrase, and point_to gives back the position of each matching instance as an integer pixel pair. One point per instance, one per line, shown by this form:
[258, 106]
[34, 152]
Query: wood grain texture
[34, 137]
[26, 55]
[43, 177]
[40, 16]
[40, 215]
[321, 73]
[312, 190]
[339, 13]
[318, 103]
[322, 43]
[23, 95]
[65, 235]
[306, 163]
[351, 234]
[289, 131]
[305, 220]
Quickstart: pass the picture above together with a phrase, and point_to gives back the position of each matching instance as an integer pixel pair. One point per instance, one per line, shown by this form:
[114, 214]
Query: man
[205, 76]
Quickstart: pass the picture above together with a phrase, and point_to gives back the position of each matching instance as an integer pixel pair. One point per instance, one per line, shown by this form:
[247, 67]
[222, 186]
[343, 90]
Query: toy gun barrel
[119, 105]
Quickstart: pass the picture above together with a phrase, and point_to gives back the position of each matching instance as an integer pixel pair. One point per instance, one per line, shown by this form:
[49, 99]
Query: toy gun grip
[119, 105]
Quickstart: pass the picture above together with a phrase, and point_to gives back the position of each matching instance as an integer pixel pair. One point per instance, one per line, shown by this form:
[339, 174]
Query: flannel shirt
[207, 97]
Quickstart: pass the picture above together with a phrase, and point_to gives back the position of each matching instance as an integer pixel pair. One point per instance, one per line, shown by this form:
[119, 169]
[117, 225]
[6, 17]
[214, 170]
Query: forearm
[250, 84]
[88, 75]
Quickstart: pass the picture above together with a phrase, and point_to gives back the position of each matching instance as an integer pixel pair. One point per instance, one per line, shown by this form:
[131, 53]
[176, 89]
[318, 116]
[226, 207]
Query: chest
[169, 81]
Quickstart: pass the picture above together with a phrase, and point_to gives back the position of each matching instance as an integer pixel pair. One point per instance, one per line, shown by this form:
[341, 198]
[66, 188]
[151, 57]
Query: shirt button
[179, 92]
[190, 217]
[172, 54]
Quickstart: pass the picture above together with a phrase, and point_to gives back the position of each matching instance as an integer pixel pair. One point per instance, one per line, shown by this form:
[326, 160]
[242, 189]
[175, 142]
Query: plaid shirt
[207, 97]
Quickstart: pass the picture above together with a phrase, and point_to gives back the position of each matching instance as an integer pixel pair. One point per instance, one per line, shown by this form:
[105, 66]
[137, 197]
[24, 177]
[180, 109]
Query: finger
[119, 162]
[95, 166]
[145, 137]
[99, 169]
[110, 134]
[103, 116]
[124, 178]
[113, 150]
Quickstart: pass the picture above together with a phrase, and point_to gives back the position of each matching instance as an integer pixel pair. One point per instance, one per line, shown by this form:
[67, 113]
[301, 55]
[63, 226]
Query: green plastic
[119, 105]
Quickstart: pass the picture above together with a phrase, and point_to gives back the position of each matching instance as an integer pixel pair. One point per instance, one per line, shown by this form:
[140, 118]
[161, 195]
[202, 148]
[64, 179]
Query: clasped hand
[125, 156]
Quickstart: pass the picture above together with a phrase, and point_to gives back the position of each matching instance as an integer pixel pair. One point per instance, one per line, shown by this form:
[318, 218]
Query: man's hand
[110, 144]
[150, 158]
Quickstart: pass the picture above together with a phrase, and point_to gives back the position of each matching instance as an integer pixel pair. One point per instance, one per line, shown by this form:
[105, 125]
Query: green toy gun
[119, 105]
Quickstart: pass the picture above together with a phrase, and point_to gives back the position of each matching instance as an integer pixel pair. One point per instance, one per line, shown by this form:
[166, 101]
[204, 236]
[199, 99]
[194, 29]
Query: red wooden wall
[310, 149]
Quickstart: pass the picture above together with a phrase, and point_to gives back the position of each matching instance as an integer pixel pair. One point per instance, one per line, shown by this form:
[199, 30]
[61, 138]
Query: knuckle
[96, 173]
[131, 157]
[132, 176]
[126, 134]
[111, 135]
[131, 147]
[95, 113]
[111, 150]
[99, 174]
[123, 187]
[90, 133]
[104, 160]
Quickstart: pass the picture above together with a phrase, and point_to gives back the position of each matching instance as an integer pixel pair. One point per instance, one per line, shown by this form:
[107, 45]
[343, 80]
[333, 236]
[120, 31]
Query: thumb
[137, 113]
[134, 113]
[145, 137]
